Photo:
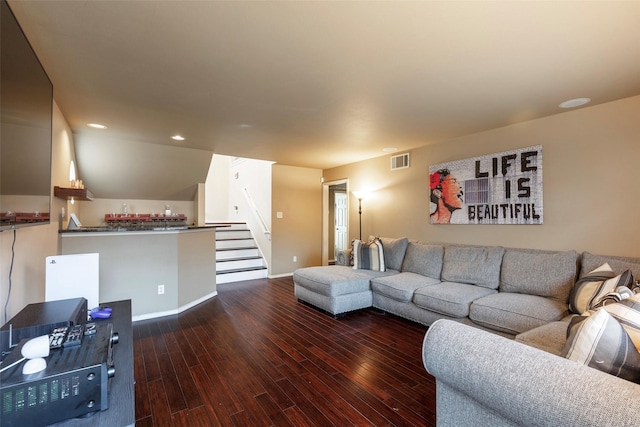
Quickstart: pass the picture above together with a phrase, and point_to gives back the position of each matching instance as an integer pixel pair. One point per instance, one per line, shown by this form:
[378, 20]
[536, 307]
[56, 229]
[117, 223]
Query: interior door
[340, 220]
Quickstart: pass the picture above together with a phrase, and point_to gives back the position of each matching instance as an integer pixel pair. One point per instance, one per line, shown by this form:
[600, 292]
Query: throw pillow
[368, 255]
[600, 342]
[627, 312]
[590, 289]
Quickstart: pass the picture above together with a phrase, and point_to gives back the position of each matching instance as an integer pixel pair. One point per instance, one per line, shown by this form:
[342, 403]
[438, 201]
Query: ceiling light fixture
[178, 138]
[96, 126]
[576, 102]
[389, 149]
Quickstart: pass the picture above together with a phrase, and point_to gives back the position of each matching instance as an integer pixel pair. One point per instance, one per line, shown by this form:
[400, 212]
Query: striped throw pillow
[627, 312]
[599, 341]
[590, 289]
[368, 255]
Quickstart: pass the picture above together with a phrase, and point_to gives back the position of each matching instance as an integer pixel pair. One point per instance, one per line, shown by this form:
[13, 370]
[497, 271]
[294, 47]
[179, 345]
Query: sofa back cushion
[476, 265]
[394, 250]
[590, 262]
[423, 259]
[537, 272]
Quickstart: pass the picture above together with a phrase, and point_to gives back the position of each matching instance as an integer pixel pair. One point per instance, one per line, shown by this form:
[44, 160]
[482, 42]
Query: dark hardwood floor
[254, 356]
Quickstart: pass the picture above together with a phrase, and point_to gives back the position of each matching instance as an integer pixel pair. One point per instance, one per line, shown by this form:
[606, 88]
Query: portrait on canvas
[501, 188]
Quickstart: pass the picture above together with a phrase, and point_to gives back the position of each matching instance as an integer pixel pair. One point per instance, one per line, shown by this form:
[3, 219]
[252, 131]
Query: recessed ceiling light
[245, 126]
[96, 126]
[177, 138]
[576, 102]
[389, 149]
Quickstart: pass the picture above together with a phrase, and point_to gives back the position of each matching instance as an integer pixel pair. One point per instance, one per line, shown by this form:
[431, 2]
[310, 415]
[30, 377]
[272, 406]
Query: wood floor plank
[254, 355]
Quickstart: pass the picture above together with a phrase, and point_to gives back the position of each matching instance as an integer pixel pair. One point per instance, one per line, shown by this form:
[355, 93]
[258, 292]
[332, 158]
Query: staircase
[237, 255]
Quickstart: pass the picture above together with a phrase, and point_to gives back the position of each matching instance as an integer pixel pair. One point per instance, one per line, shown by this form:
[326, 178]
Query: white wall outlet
[295, 258]
[279, 215]
[160, 289]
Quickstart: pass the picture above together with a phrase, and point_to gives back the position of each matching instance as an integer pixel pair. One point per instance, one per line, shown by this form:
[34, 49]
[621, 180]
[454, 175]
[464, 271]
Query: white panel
[73, 276]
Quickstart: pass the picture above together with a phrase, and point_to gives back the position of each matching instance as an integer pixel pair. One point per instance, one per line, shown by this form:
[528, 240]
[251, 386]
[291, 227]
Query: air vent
[401, 161]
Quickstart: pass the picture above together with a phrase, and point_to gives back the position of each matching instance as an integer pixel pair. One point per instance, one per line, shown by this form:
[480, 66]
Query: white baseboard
[277, 276]
[178, 310]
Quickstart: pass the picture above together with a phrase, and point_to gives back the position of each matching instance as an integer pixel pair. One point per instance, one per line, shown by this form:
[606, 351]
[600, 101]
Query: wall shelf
[76, 193]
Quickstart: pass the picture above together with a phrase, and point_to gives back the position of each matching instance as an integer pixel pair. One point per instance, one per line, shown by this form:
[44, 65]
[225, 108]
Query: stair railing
[256, 212]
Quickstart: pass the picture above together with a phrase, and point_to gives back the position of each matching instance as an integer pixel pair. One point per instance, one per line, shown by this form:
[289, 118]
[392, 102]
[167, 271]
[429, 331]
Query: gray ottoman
[336, 289]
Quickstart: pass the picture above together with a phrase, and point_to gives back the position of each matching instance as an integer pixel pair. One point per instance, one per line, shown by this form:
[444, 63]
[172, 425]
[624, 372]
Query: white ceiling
[321, 84]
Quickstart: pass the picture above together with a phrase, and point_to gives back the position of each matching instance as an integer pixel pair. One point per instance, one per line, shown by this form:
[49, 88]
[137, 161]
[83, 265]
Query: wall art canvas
[501, 188]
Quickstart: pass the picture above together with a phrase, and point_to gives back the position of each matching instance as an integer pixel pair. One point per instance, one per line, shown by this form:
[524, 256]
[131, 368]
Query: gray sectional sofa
[505, 290]
[464, 292]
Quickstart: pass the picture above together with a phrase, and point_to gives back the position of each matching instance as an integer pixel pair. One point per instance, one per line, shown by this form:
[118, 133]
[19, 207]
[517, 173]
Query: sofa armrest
[343, 257]
[518, 384]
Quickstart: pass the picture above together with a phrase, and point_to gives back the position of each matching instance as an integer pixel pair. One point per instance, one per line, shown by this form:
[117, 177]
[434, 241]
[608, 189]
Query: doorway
[335, 219]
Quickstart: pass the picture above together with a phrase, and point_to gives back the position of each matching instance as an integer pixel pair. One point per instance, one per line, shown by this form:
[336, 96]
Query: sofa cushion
[334, 280]
[589, 290]
[618, 264]
[536, 272]
[368, 255]
[627, 312]
[600, 342]
[423, 259]
[394, 250]
[476, 265]
[449, 298]
[400, 287]
[551, 337]
[515, 313]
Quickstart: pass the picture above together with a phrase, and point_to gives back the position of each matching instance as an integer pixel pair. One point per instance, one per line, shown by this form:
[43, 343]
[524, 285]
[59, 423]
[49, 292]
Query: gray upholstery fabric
[450, 298]
[401, 286]
[394, 250]
[507, 383]
[550, 337]
[335, 305]
[516, 313]
[336, 280]
[476, 265]
[423, 259]
[343, 257]
[536, 272]
[590, 262]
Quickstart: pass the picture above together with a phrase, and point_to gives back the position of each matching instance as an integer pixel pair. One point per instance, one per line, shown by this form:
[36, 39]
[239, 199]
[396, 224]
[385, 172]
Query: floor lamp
[359, 195]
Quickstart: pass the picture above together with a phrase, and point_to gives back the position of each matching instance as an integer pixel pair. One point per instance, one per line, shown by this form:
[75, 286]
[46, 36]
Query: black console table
[121, 410]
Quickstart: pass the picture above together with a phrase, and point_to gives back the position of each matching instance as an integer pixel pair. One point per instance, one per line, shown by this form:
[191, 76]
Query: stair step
[241, 270]
[230, 253]
[237, 248]
[233, 264]
[234, 243]
[240, 276]
[244, 258]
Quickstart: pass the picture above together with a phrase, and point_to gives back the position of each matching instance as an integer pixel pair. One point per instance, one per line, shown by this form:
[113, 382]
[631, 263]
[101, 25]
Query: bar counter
[162, 270]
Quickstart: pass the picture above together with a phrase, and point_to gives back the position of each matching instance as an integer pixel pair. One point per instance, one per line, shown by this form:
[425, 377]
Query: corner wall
[591, 200]
[297, 193]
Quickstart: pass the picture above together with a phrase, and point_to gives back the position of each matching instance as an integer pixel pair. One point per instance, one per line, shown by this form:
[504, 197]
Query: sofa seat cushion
[401, 287]
[476, 265]
[335, 280]
[516, 313]
[449, 298]
[537, 272]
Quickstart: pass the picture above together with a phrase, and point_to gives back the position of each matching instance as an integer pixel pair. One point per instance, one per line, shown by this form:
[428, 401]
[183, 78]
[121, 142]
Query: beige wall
[297, 193]
[591, 159]
[34, 244]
